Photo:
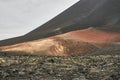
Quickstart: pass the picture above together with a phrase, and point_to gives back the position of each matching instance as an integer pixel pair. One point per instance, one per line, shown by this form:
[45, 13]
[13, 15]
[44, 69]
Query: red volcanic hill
[57, 46]
[78, 42]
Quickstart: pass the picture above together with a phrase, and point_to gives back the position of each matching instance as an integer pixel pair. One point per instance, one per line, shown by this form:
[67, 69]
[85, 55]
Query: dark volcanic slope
[104, 14]
[85, 13]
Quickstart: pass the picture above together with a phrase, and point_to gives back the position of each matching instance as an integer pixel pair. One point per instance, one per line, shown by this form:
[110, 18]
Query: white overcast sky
[18, 17]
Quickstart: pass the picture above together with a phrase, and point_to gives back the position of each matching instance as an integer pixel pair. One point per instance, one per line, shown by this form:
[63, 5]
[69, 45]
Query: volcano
[85, 27]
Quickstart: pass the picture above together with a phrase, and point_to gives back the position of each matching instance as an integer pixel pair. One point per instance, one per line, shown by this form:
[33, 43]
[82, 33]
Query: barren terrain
[89, 67]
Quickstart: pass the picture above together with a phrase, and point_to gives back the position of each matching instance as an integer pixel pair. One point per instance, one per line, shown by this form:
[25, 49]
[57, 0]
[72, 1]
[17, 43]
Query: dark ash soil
[90, 67]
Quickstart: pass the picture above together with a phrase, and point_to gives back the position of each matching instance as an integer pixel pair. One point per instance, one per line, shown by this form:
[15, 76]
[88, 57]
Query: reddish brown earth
[72, 43]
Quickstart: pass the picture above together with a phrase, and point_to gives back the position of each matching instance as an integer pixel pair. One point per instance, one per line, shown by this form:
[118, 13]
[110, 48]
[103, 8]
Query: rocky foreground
[88, 67]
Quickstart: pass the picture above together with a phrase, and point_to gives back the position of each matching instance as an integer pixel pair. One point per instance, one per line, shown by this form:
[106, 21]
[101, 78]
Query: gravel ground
[89, 67]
